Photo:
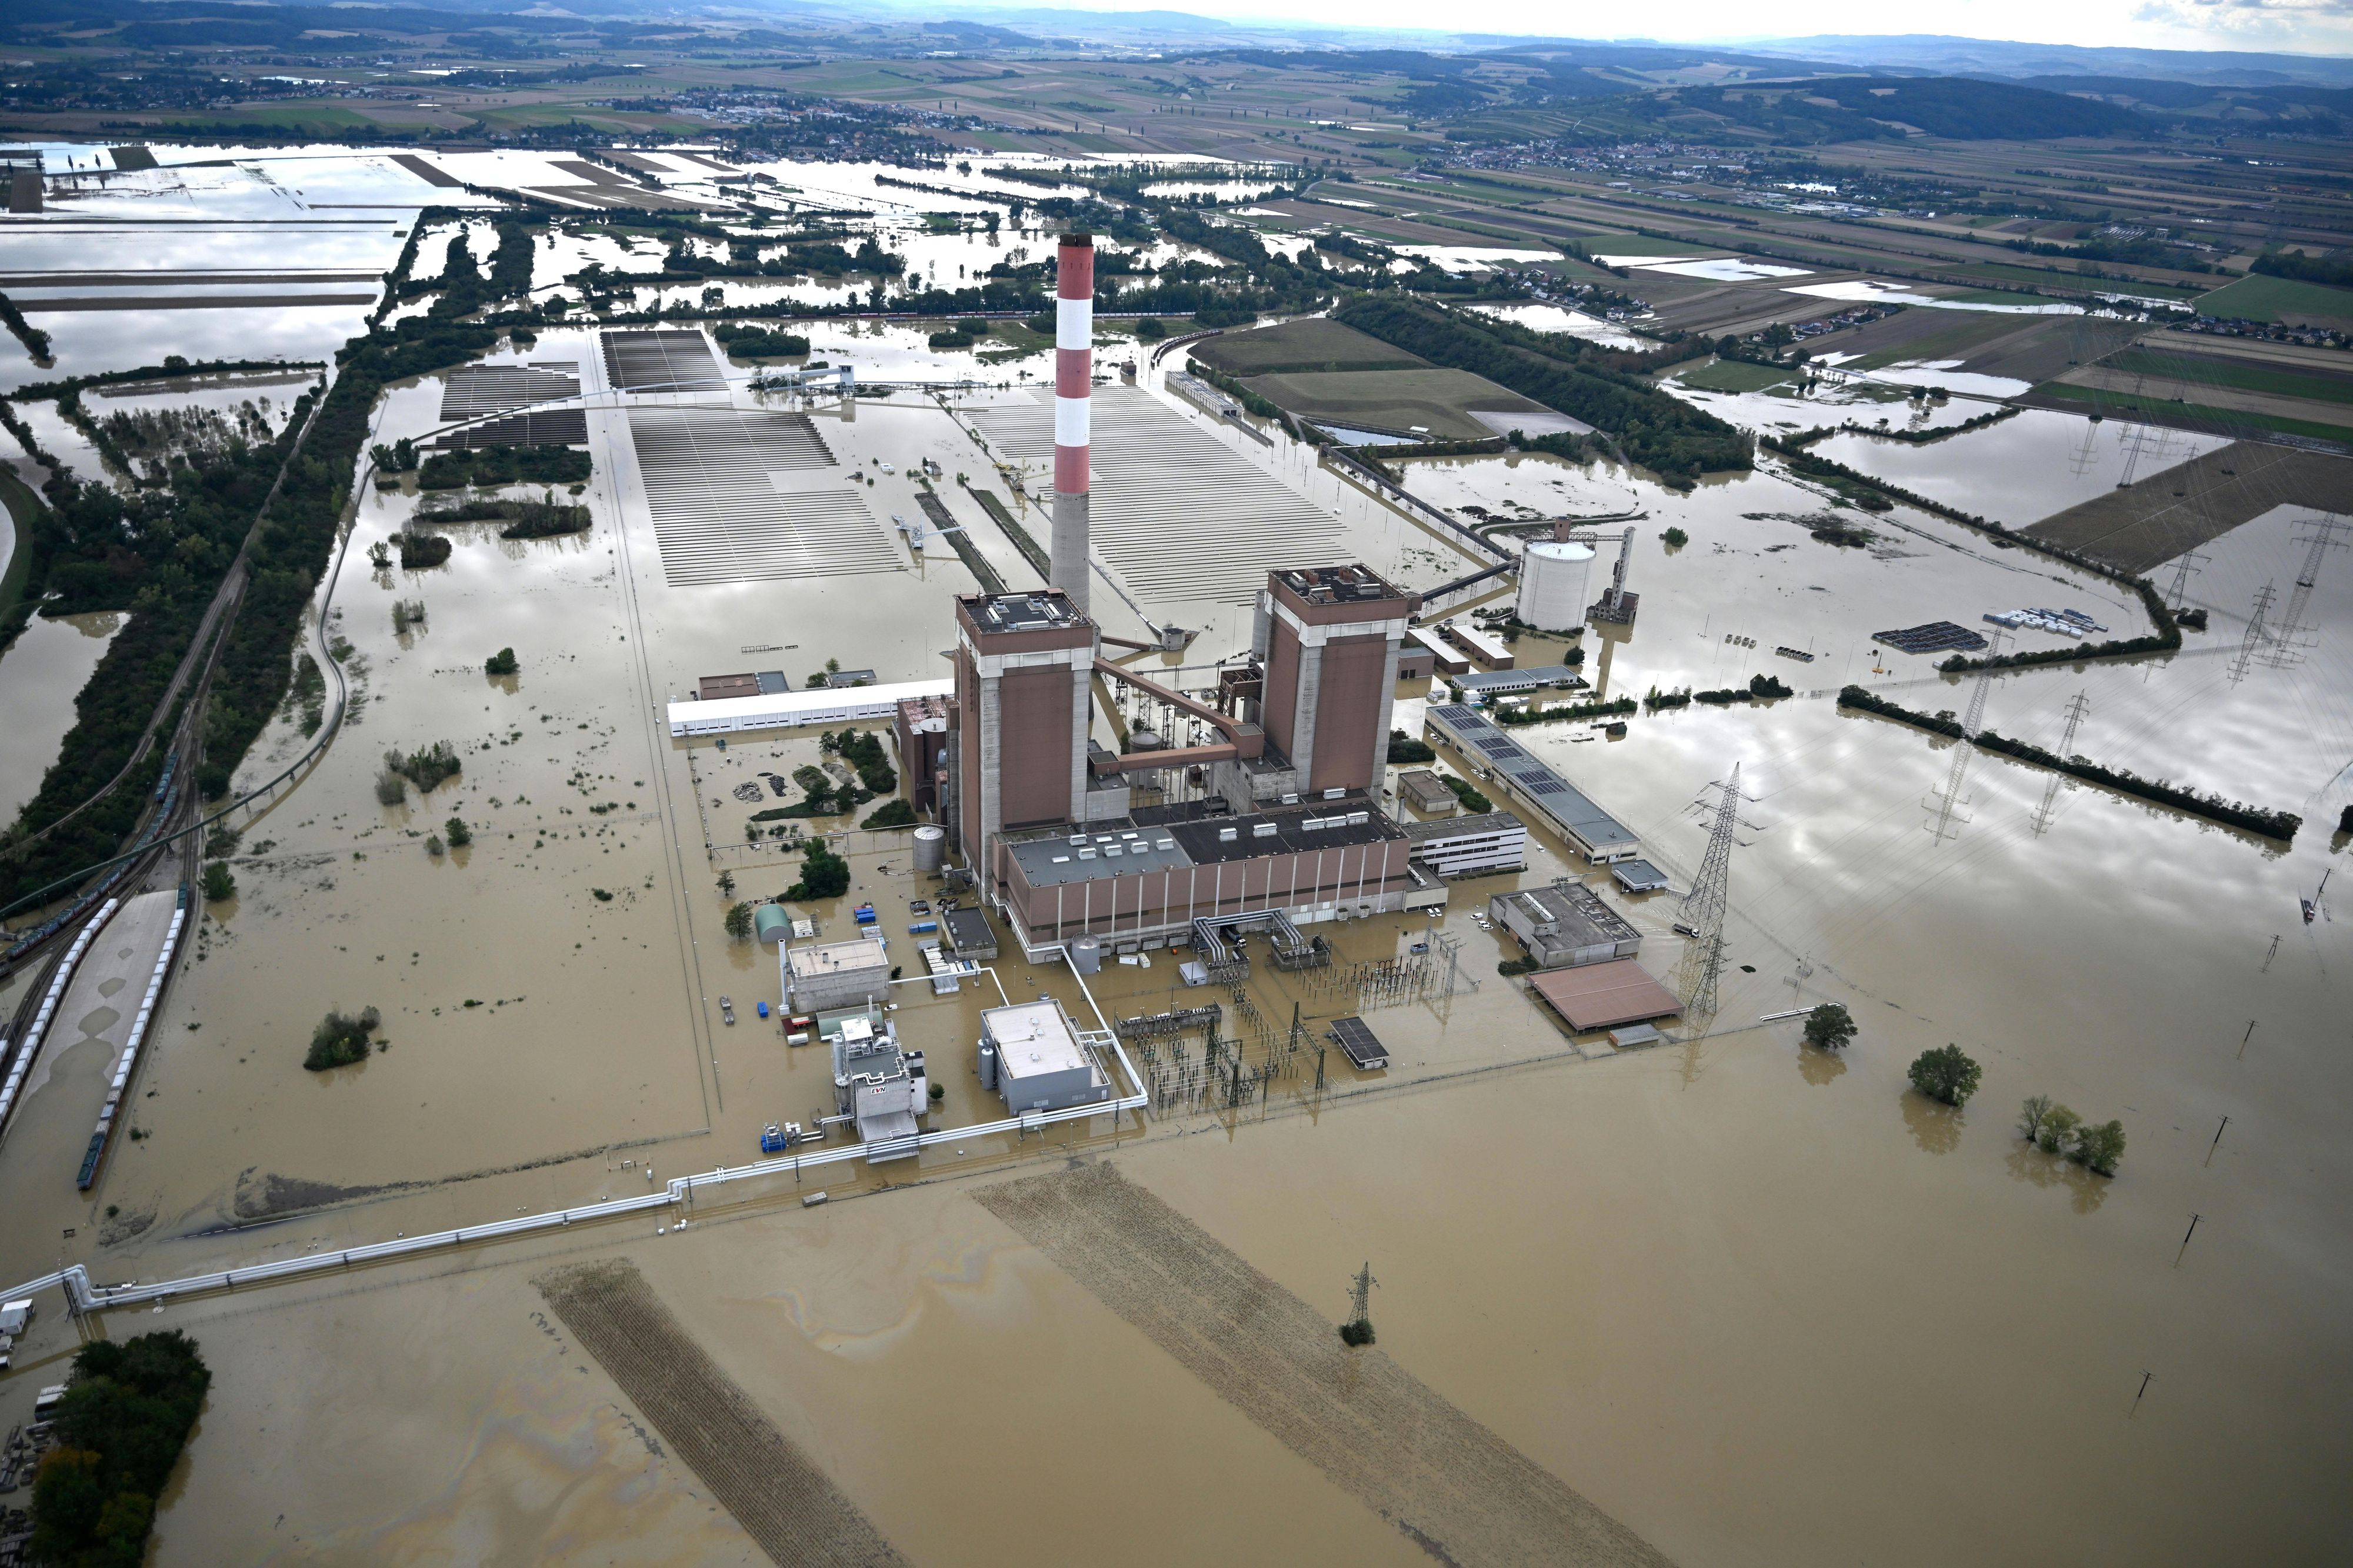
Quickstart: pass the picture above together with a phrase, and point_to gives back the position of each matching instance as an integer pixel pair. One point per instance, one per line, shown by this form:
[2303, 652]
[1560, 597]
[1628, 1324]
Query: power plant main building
[1288, 830]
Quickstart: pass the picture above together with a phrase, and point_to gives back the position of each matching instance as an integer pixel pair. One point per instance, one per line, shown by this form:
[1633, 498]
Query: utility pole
[2079, 708]
[2185, 1238]
[2255, 635]
[2147, 1377]
[2217, 1140]
[1702, 907]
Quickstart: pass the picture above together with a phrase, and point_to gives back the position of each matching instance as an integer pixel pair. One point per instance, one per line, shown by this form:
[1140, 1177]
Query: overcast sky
[2299, 26]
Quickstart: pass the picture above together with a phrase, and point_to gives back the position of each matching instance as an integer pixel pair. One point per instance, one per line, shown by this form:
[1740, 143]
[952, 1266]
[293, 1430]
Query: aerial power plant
[905, 728]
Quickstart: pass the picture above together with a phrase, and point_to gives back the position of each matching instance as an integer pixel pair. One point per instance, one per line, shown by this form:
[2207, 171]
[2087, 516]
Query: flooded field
[40, 674]
[1654, 1290]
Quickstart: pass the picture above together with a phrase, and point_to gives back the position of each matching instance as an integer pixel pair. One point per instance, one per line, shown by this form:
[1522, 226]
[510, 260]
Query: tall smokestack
[1075, 378]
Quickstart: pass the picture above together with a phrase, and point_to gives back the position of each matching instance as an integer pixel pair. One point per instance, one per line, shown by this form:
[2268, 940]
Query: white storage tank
[931, 850]
[1086, 954]
[1552, 584]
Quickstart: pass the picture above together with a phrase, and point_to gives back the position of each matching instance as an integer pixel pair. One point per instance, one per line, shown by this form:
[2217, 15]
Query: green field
[2225, 421]
[2053, 278]
[1642, 244]
[1310, 343]
[1438, 400]
[2257, 298]
[2211, 371]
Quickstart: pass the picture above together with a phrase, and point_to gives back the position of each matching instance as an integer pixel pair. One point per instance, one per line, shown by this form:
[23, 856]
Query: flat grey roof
[1292, 833]
[1440, 830]
[1567, 804]
[1639, 875]
[1106, 849]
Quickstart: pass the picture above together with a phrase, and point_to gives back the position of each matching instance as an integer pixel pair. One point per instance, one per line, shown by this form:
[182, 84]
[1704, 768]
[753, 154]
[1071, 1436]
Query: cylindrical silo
[987, 1066]
[771, 924]
[1552, 584]
[931, 850]
[1086, 954]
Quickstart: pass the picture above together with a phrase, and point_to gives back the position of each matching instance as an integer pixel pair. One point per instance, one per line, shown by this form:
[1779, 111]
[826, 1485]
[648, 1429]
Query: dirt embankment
[778, 1494]
[1454, 1488]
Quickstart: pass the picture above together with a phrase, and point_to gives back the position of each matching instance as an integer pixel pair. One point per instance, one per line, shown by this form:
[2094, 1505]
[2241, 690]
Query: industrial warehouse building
[1426, 792]
[1565, 925]
[1470, 846]
[786, 709]
[1534, 784]
[818, 976]
[1032, 1054]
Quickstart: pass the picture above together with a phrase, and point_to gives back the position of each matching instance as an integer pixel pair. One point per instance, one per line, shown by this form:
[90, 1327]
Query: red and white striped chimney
[1074, 368]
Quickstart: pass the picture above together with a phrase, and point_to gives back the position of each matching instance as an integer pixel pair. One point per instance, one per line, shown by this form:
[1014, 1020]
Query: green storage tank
[771, 924]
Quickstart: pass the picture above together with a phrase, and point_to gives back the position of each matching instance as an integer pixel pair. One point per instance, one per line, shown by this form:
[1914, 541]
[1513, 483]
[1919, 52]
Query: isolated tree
[2058, 1131]
[219, 882]
[1829, 1027]
[1946, 1074]
[739, 923]
[726, 884]
[2032, 1114]
[2097, 1149]
[502, 662]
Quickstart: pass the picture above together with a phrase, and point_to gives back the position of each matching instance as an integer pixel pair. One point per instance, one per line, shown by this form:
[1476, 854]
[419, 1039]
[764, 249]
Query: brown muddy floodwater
[40, 675]
[1752, 1303]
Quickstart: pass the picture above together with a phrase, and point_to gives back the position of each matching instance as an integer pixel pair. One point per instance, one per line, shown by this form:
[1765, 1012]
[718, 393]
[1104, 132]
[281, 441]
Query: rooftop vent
[1334, 793]
[1228, 834]
[1262, 830]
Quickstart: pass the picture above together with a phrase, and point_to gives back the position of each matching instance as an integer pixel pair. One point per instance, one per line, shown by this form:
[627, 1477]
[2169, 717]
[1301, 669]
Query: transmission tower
[1702, 907]
[2176, 596]
[2255, 634]
[1360, 1295]
[2079, 708]
[2322, 538]
[1948, 803]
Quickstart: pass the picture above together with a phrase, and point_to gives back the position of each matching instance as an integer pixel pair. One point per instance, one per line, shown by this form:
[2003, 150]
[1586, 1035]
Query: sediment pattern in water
[776, 1492]
[1457, 1490]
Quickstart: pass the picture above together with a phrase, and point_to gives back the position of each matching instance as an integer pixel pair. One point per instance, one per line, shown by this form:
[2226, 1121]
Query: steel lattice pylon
[1702, 907]
[2079, 708]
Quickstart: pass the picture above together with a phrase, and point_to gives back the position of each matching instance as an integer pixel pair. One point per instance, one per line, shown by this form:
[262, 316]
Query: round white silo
[1552, 586]
[931, 850]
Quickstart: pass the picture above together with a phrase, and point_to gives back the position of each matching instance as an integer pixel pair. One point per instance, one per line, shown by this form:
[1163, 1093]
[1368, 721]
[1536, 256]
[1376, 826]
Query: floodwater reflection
[1935, 1128]
[2028, 1163]
[1818, 1067]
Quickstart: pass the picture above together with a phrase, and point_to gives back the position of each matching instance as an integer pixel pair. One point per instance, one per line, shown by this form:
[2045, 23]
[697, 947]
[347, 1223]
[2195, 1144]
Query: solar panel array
[723, 485]
[1176, 513]
[1572, 809]
[540, 428]
[480, 389]
[667, 359]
